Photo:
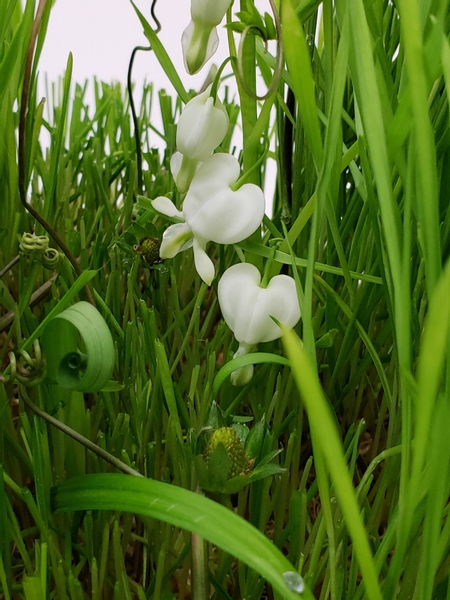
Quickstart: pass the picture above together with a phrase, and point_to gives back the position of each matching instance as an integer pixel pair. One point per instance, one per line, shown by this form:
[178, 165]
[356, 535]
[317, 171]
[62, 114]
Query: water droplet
[294, 581]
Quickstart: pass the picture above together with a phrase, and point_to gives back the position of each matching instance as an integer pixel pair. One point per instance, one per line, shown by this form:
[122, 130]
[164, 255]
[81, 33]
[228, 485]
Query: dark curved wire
[137, 136]
[154, 17]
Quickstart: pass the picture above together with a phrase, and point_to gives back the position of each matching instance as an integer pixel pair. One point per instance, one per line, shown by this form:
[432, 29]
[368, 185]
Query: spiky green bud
[149, 249]
[227, 436]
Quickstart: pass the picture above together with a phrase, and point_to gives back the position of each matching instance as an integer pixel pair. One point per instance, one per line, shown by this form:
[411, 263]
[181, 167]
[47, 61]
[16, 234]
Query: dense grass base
[352, 430]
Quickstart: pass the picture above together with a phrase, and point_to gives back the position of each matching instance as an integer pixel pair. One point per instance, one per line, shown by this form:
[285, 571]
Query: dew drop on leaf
[294, 581]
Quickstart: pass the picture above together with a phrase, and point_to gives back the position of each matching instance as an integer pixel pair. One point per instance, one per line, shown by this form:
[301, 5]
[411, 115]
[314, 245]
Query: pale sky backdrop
[101, 35]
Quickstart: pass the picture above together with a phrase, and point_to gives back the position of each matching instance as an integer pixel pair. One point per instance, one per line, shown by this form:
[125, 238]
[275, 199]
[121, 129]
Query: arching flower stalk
[247, 309]
[212, 211]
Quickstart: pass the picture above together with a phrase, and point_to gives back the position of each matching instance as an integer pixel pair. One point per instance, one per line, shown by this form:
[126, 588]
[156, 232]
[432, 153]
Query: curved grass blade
[182, 508]
[253, 358]
[79, 349]
[326, 440]
[162, 56]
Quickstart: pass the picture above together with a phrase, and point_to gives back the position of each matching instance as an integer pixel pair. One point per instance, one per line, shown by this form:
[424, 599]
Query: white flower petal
[218, 171]
[242, 376]
[247, 308]
[183, 170]
[216, 212]
[237, 292]
[203, 264]
[199, 43]
[278, 300]
[176, 238]
[175, 164]
[209, 11]
[166, 207]
[202, 126]
[229, 217]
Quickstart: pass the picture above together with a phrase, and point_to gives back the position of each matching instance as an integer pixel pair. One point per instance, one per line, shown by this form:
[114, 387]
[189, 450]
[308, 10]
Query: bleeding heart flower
[201, 127]
[200, 39]
[212, 211]
[247, 309]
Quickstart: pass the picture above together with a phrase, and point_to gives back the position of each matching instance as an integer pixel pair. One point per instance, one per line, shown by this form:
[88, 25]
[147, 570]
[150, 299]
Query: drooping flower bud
[247, 309]
[212, 211]
[200, 39]
[201, 128]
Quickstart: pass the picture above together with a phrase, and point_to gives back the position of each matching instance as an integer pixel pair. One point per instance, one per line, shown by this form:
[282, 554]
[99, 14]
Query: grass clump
[346, 433]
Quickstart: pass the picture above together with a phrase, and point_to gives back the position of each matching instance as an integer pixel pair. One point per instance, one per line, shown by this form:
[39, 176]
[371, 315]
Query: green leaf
[253, 358]
[113, 386]
[255, 439]
[182, 508]
[212, 475]
[327, 340]
[79, 349]
[327, 442]
[59, 138]
[13, 57]
[299, 67]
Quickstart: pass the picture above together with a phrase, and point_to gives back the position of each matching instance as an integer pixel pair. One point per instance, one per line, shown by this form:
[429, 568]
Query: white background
[101, 35]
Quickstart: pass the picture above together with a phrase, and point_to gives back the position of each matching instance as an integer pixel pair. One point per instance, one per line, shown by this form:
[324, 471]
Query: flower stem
[199, 565]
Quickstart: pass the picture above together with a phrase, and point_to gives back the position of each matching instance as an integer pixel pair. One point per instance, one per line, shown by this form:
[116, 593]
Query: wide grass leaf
[182, 508]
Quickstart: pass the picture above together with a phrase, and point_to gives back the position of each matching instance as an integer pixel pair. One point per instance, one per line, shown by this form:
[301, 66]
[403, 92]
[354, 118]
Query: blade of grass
[326, 440]
[184, 509]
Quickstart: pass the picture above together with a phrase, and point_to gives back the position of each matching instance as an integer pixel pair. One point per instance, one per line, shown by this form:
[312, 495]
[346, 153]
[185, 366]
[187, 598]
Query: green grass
[349, 429]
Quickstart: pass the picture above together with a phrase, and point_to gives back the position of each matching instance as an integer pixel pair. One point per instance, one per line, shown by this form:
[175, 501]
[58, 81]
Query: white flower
[212, 211]
[247, 309]
[201, 127]
[200, 39]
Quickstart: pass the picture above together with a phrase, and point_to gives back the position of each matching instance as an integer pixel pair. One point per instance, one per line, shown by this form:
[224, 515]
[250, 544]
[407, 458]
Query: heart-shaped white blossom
[212, 211]
[247, 309]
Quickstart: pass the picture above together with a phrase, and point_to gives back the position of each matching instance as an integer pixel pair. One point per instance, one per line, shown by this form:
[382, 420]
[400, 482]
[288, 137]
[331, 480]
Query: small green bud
[228, 437]
[148, 248]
